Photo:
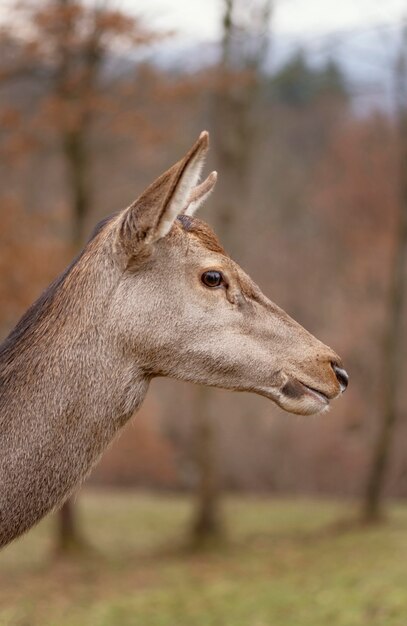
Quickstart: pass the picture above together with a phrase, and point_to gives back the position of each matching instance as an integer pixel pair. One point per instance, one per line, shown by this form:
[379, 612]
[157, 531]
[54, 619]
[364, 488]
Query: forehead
[202, 232]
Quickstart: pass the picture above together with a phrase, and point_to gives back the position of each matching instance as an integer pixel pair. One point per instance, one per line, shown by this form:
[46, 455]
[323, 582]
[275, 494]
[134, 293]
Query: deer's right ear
[152, 215]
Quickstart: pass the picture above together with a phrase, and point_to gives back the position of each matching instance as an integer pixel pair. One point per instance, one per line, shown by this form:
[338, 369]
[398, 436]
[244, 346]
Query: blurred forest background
[95, 102]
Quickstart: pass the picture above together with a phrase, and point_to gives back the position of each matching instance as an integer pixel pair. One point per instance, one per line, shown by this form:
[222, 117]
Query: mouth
[319, 395]
[297, 397]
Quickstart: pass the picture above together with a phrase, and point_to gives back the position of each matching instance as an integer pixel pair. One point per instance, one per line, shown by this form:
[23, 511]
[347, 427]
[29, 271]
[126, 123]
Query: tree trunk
[76, 154]
[77, 165]
[393, 354]
[234, 138]
[69, 539]
[207, 522]
[207, 525]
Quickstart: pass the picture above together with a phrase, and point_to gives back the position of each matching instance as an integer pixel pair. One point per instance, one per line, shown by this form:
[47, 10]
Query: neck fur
[64, 393]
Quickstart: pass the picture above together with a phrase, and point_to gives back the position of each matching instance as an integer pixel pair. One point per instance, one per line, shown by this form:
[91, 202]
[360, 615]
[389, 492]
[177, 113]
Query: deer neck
[64, 394]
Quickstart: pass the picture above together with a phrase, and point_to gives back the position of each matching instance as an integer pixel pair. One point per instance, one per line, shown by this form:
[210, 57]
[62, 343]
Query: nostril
[341, 375]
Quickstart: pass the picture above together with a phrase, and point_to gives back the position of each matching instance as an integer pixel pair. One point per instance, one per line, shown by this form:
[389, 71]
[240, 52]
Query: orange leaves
[67, 49]
[17, 137]
[358, 180]
[30, 256]
[10, 118]
[75, 28]
[141, 455]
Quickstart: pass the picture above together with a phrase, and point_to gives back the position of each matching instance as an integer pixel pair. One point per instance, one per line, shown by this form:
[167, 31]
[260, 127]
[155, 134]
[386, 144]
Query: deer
[153, 293]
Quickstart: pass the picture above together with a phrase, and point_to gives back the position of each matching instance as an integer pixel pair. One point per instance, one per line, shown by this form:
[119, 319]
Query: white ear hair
[185, 186]
[200, 194]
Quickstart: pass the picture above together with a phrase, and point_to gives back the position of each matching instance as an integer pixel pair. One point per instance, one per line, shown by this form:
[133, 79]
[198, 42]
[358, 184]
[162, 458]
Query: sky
[296, 22]
[200, 19]
[362, 34]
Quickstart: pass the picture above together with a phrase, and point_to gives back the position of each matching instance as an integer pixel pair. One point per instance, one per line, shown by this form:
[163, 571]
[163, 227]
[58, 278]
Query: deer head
[183, 308]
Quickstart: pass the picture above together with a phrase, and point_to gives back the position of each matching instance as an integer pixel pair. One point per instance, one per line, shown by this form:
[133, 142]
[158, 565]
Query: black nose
[341, 375]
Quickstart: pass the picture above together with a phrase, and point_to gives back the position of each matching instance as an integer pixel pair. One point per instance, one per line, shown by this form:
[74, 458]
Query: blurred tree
[298, 84]
[142, 456]
[28, 254]
[245, 36]
[392, 373]
[79, 39]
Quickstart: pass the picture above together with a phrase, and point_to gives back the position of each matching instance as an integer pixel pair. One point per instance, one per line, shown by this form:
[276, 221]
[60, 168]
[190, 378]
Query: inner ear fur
[151, 216]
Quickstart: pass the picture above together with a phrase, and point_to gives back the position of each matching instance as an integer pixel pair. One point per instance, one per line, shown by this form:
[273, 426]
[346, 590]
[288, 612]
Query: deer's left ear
[152, 215]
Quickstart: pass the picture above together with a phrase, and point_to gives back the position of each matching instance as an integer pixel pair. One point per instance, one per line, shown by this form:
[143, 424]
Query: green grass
[285, 564]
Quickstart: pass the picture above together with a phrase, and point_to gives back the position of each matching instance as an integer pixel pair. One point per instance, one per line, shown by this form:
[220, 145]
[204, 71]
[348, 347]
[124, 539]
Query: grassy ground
[285, 564]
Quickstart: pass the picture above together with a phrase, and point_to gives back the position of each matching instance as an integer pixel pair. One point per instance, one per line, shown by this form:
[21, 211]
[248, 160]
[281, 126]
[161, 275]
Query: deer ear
[152, 215]
[200, 194]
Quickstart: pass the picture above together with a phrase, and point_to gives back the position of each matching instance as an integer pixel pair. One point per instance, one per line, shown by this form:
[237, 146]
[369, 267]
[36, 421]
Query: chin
[305, 404]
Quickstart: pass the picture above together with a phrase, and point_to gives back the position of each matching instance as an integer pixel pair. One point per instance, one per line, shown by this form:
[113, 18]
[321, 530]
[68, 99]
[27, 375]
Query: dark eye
[212, 278]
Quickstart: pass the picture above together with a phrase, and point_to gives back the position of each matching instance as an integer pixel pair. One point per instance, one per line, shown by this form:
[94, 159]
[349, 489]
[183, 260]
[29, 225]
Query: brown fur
[199, 229]
[130, 307]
